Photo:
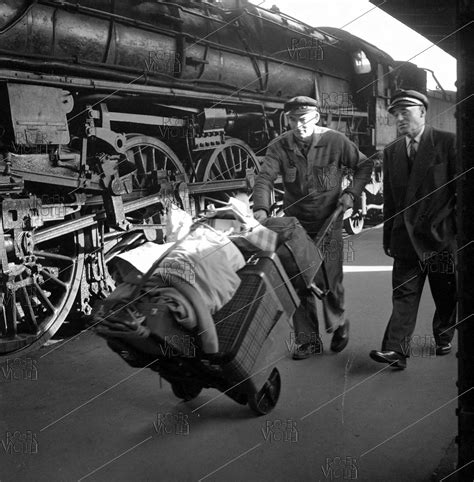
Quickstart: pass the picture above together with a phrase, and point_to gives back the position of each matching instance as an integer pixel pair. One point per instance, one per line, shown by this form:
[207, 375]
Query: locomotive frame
[113, 109]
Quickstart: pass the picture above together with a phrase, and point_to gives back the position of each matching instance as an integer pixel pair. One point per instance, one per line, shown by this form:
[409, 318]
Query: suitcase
[264, 297]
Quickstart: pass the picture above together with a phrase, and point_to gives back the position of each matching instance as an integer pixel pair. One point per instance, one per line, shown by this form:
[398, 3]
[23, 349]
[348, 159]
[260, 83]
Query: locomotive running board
[98, 85]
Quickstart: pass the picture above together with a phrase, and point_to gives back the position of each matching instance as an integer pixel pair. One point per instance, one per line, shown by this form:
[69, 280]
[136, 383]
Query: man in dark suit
[419, 227]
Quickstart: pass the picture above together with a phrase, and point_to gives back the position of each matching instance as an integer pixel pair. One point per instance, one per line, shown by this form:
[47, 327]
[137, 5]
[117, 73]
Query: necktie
[412, 151]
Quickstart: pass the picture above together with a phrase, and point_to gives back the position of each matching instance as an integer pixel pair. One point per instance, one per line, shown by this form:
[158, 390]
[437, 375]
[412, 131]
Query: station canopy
[435, 20]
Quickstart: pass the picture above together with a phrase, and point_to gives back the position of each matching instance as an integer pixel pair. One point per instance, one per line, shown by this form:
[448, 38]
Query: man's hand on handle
[260, 215]
[346, 201]
[388, 251]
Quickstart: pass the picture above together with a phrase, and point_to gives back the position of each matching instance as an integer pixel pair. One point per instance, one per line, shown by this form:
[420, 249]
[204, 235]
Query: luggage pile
[200, 331]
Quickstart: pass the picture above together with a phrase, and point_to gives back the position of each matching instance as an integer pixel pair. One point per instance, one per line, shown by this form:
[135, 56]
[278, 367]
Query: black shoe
[443, 349]
[305, 350]
[340, 339]
[393, 358]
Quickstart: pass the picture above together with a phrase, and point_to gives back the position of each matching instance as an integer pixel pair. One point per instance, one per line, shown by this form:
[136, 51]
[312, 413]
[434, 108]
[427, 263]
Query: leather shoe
[443, 349]
[340, 339]
[393, 358]
[305, 350]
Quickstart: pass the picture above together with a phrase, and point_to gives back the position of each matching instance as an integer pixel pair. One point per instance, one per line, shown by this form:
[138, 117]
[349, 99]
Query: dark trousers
[305, 319]
[408, 279]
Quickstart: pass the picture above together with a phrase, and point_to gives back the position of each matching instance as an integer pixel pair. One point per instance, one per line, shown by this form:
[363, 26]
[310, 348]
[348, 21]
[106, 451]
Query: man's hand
[260, 215]
[346, 201]
[388, 251]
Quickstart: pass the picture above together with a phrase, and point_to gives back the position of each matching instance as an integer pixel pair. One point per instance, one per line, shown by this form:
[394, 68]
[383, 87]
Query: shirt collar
[416, 138]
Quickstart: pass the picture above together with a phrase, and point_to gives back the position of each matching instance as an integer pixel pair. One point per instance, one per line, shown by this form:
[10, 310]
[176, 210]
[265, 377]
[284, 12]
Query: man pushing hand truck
[310, 160]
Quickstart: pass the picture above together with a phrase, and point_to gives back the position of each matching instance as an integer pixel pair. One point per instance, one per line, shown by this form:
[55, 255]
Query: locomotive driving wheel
[232, 160]
[39, 288]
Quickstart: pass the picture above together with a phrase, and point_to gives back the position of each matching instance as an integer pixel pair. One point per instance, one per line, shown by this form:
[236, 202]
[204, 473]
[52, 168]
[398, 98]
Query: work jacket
[312, 183]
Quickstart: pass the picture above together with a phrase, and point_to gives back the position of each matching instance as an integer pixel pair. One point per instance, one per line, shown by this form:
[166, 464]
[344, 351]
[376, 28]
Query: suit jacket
[312, 183]
[419, 216]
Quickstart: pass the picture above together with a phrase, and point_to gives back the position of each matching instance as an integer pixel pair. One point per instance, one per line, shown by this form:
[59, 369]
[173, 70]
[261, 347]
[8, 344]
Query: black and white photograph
[236, 240]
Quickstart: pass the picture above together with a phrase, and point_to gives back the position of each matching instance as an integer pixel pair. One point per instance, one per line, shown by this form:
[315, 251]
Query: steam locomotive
[111, 109]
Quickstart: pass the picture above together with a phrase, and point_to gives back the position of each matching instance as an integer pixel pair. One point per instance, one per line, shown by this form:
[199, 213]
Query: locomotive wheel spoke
[11, 312]
[239, 159]
[44, 298]
[58, 257]
[151, 159]
[143, 162]
[153, 155]
[53, 278]
[219, 174]
[29, 312]
[229, 169]
[136, 158]
[41, 293]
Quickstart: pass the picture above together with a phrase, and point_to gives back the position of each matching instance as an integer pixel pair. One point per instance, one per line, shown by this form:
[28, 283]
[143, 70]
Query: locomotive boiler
[111, 109]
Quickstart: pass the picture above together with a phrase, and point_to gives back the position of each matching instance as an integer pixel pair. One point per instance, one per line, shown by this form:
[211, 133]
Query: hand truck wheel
[186, 391]
[265, 400]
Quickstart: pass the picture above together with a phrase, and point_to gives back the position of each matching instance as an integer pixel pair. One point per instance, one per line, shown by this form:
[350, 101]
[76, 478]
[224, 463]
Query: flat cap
[408, 98]
[301, 105]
